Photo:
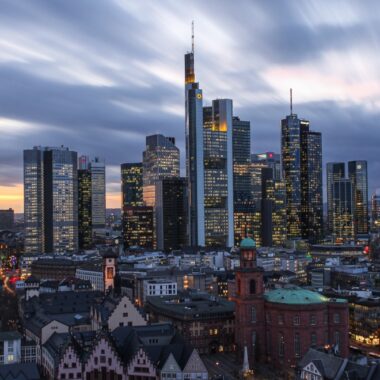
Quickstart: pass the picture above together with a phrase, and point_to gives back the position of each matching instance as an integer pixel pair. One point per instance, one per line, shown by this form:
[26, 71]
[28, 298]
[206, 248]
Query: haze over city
[100, 76]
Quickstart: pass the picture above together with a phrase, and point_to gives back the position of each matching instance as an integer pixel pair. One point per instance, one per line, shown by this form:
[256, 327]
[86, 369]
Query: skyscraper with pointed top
[301, 154]
[194, 152]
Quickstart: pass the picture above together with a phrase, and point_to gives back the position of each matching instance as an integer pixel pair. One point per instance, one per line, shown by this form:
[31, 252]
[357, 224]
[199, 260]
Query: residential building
[218, 173]
[10, 347]
[50, 200]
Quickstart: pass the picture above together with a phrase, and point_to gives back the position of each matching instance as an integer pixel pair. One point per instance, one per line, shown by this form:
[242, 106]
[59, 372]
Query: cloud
[100, 76]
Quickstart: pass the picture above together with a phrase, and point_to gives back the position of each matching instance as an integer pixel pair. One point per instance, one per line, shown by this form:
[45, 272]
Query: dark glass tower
[84, 209]
[301, 152]
[243, 205]
[132, 184]
[171, 213]
[357, 173]
[334, 172]
[194, 153]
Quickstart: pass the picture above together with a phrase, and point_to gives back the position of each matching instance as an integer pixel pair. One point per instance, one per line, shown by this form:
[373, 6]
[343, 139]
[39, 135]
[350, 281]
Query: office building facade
[194, 154]
[334, 172]
[132, 184]
[7, 218]
[375, 202]
[171, 213]
[218, 173]
[357, 173]
[84, 209]
[50, 200]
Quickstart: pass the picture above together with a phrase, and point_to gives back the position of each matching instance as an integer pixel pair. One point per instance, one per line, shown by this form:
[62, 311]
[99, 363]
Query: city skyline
[137, 89]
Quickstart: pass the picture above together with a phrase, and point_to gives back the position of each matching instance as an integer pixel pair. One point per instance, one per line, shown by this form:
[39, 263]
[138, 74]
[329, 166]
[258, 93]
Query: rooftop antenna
[192, 36]
[291, 101]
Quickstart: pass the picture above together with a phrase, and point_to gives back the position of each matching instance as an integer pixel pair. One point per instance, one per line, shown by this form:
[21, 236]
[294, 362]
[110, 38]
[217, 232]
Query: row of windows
[297, 319]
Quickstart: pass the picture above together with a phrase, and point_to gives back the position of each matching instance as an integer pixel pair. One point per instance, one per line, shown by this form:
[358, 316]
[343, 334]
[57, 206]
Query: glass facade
[376, 211]
[50, 200]
[84, 209]
[243, 205]
[334, 171]
[132, 184]
[218, 173]
[194, 154]
[357, 173]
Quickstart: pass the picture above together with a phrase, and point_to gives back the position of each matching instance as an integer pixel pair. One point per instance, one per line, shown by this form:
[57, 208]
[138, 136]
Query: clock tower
[249, 304]
[109, 269]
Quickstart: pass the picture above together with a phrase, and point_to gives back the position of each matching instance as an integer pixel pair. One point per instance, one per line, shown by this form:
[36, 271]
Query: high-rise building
[334, 171]
[311, 186]
[50, 200]
[160, 161]
[98, 199]
[132, 184]
[218, 173]
[376, 211]
[171, 213]
[138, 226]
[357, 173]
[343, 210]
[194, 153]
[97, 169]
[269, 160]
[301, 152]
[243, 205]
[273, 210]
[7, 219]
[84, 209]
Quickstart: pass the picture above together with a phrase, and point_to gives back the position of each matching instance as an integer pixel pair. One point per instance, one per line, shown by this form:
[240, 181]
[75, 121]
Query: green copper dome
[247, 243]
[294, 296]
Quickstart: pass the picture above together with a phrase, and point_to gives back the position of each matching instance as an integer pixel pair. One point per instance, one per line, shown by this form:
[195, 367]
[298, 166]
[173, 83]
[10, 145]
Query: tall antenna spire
[192, 36]
[291, 101]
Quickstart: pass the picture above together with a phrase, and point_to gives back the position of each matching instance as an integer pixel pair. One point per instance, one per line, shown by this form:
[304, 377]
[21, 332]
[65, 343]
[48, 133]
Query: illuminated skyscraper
[160, 161]
[357, 173]
[132, 184]
[97, 169]
[50, 200]
[84, 209]
[218, 173]
[343, 210]
[301, 151]
[334, 171]
[243, 205]
[376, 211]
[194, 153]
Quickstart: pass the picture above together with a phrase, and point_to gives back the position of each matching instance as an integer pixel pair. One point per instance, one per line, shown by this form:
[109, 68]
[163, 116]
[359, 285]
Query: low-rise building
[160, 287]
[10, 347]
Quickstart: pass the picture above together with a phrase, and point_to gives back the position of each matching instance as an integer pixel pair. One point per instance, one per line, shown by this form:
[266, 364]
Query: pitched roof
[19, 371]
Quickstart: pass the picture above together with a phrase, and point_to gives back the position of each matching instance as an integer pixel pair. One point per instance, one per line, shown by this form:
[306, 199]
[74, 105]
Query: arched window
[281, 345]
[253, 314]
[252, 287]
[238, 286]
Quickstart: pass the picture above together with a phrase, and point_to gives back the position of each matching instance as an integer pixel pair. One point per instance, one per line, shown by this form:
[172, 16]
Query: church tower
[109, 269]
[249, 304]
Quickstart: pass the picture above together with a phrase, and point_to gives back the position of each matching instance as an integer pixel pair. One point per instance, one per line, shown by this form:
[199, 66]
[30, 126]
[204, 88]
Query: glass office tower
[84, 209]
[50, 200]
[194, 154]
[218, 173]
[132, 184]
[334, 172]
[357, 173]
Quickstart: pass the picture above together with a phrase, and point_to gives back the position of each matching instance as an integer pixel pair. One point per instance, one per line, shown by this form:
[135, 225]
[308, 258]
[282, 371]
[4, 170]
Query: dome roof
[247, 243]
[295, 296]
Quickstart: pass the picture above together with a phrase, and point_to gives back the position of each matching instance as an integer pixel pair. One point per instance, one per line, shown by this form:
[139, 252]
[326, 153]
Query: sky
[99, 76]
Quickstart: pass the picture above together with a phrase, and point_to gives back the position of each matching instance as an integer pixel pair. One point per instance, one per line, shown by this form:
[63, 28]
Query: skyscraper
[218, 173]
[243, 205]
[194, 153]
[343, 210]
[97, 169]
[171, 213]
[84, 209]
[334, 172]
[376, 211]
[50, 200]
[7, 218]
[357, 173]
[160, 161]
[132, 184]
[301, 153]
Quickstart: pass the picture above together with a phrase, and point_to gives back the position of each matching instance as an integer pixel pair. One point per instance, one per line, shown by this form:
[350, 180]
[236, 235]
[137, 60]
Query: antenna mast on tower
[291, 101]
[192, 36]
